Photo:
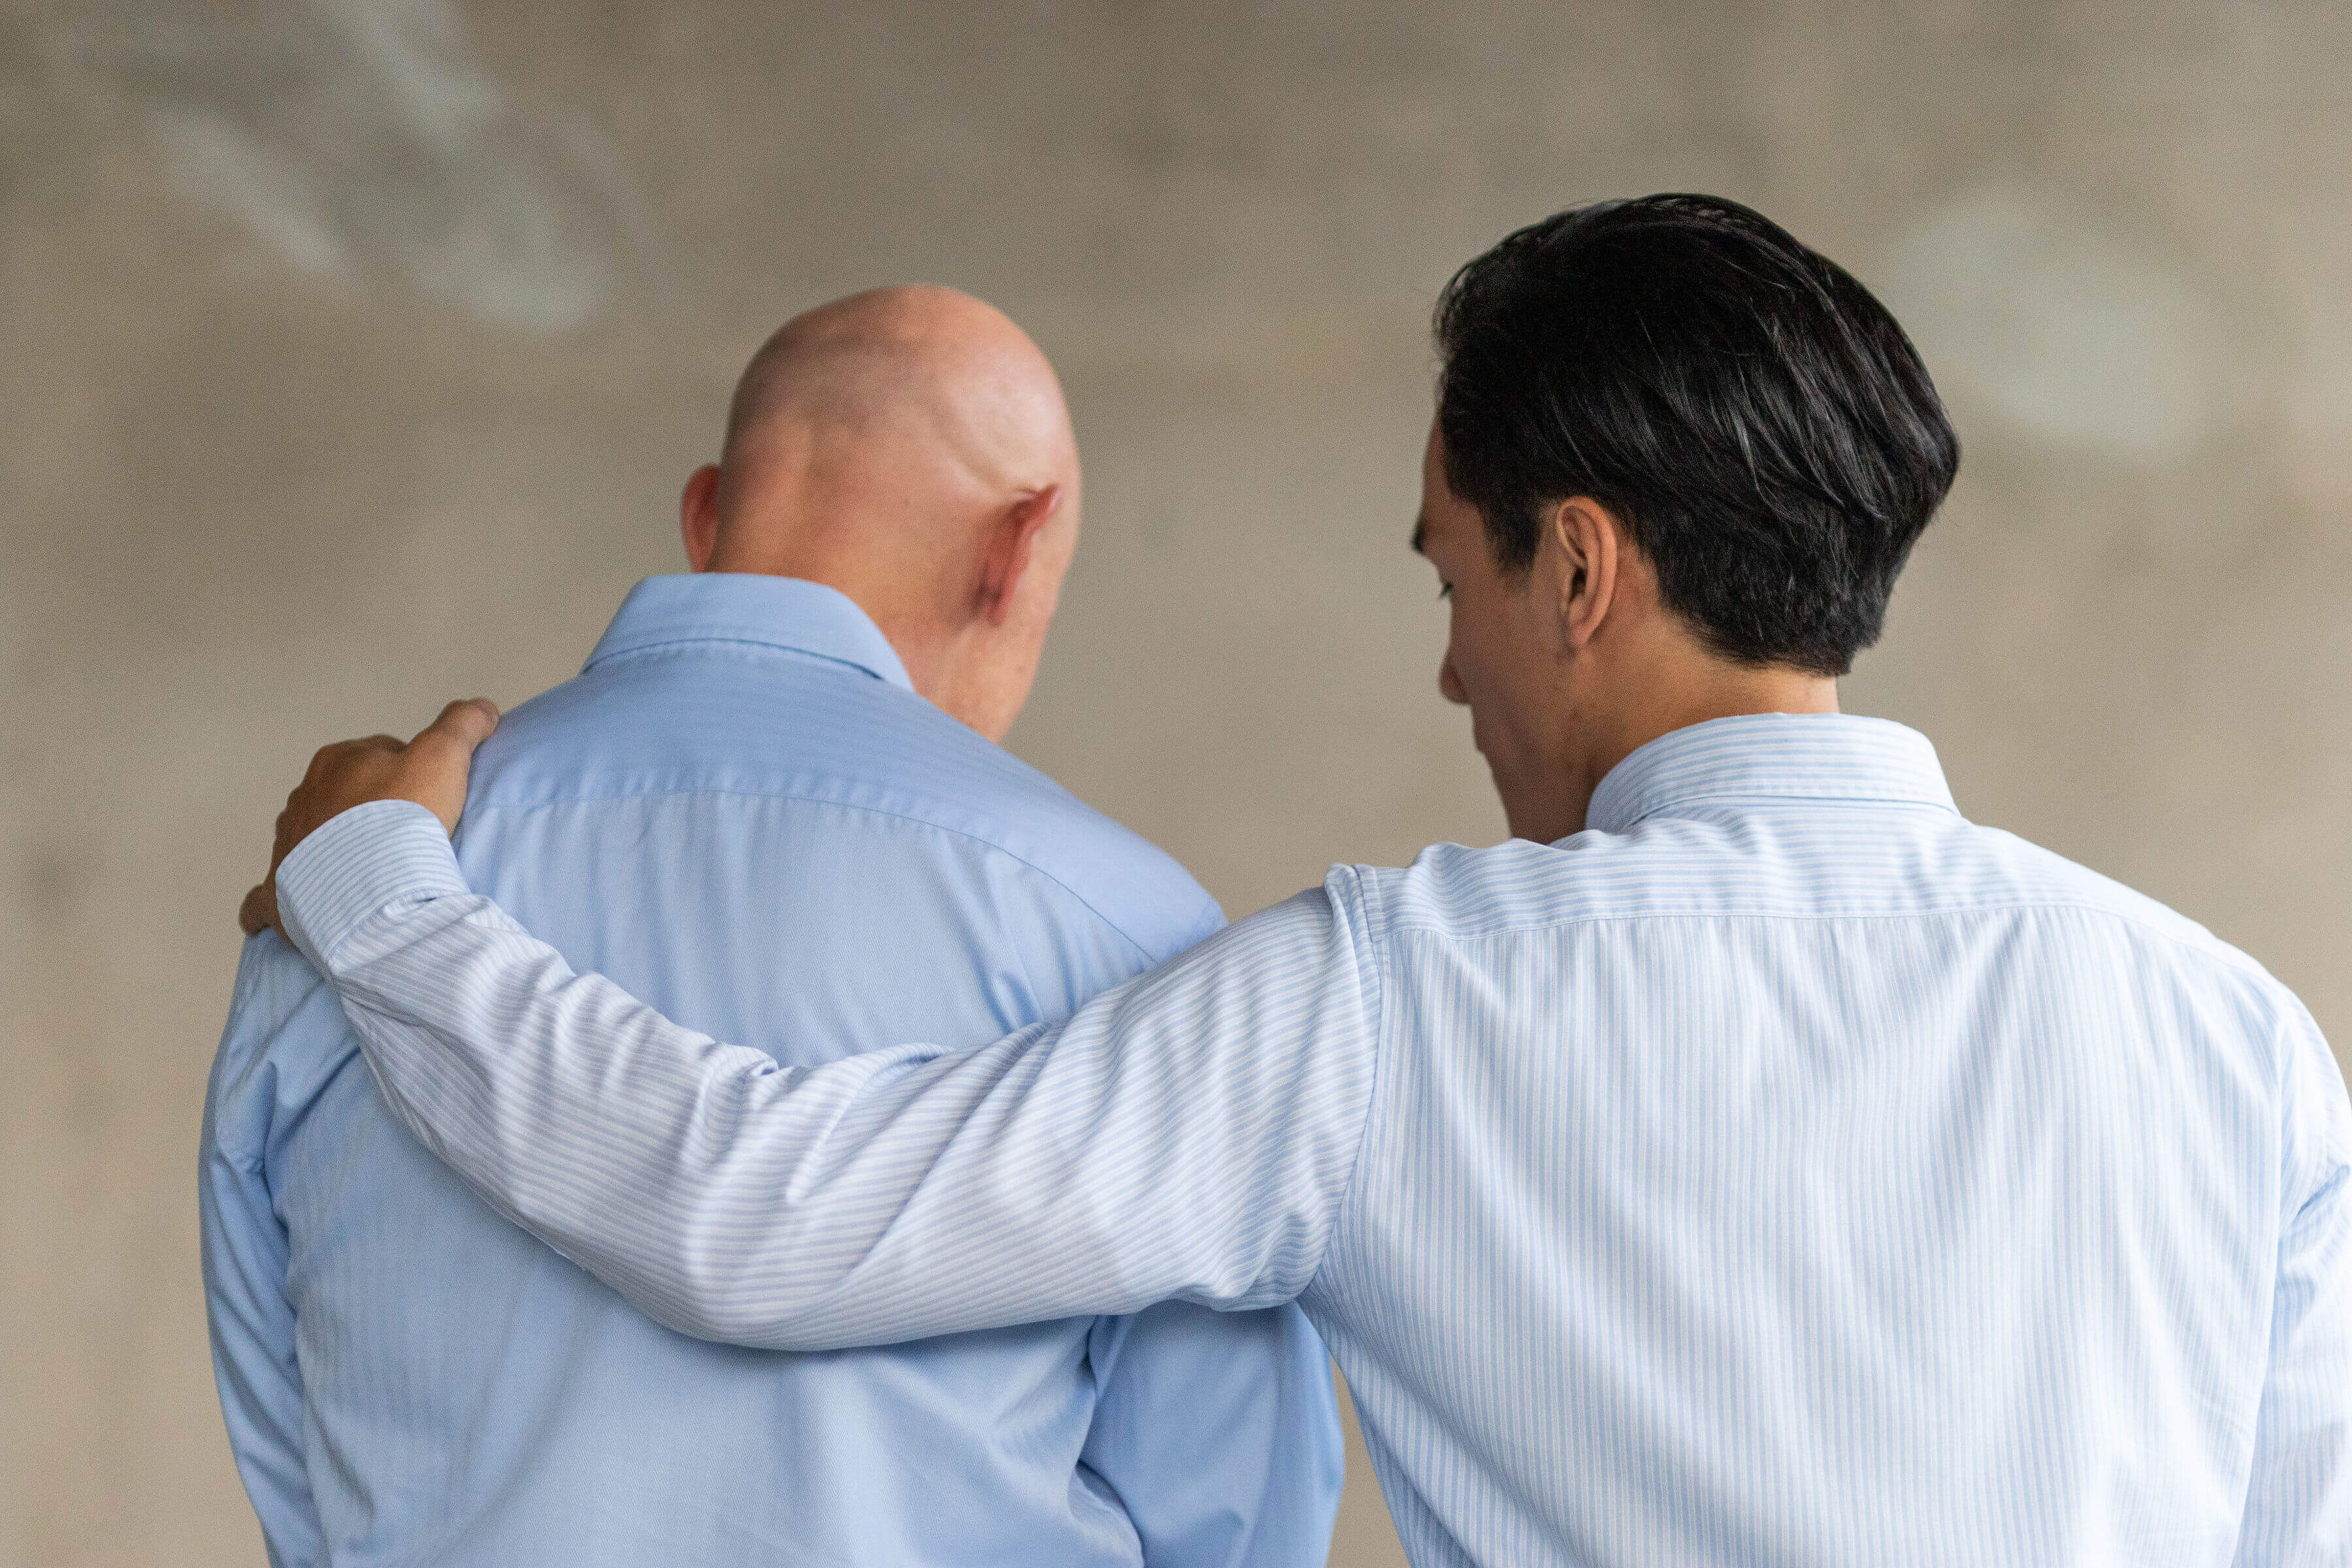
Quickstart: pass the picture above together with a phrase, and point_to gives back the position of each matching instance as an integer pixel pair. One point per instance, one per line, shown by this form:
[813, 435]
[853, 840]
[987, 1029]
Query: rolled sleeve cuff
[370, 859]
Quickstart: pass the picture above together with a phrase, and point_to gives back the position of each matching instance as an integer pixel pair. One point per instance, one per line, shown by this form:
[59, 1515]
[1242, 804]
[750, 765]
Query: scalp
[909, 361]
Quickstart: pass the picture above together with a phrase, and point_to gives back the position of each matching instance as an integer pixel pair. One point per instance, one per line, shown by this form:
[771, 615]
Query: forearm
[1093, 1166]
[662, 1160]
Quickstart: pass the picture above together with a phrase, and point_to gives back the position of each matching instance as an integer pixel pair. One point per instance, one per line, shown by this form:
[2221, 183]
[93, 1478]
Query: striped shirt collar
[734, 606]
[1772, 756]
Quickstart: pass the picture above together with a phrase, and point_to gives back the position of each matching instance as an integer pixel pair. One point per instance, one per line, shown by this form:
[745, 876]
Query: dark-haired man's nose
[1450, 683]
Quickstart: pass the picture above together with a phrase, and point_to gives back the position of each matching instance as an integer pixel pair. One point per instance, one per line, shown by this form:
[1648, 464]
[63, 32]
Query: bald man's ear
[1009, 550]
[697, 516]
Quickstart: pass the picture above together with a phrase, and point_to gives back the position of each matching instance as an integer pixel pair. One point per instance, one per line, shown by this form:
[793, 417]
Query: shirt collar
[1772, 756]
[733, 606]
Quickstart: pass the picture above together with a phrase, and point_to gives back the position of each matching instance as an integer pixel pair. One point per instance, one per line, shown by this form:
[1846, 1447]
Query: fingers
[431, 769]
[340, 775]
[326, 757]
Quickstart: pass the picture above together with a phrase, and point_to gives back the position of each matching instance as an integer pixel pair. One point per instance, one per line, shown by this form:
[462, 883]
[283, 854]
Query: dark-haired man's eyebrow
[1420, 535]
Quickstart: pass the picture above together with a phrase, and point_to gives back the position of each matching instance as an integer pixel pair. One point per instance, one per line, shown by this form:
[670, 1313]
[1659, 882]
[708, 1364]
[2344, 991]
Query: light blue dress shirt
[742, 810]
[1782, 1171]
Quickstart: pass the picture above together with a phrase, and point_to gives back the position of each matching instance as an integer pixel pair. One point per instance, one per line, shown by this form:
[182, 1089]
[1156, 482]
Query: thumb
[462, 726]
[436, 765]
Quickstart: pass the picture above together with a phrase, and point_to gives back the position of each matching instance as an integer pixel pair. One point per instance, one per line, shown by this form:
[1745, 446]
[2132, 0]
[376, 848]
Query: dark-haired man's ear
[1586, 543]
[1009, 548]
[697, 516]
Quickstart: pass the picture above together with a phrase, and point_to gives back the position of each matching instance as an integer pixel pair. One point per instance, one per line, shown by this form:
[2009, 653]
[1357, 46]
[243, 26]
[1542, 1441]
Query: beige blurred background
[352, 353]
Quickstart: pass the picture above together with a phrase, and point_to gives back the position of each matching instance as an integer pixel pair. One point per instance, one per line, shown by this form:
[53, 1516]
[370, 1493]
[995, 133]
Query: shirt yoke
[705, 718]
[1811, 860]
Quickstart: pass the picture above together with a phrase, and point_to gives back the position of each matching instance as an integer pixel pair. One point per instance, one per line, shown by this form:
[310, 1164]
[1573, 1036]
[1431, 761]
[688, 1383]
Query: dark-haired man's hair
[1757, 420]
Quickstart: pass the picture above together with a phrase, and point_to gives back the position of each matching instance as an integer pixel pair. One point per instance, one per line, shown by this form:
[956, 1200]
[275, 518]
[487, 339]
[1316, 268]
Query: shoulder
[2048, 878]
[1689, 867]
[760, 727]
[1021, 814]
[2061, 880]
[275, 985]
[1468, 893]
[284, 1035]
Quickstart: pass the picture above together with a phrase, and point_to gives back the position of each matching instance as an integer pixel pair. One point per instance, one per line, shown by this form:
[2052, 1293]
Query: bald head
[932, 372]
[910, 448]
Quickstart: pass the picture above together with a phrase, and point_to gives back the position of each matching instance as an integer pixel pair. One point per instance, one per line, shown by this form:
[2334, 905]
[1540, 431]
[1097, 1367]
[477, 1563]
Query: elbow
[714, 1303]
[701, 1319]
[730, 1299]
[725, 1321]
[763, 1326]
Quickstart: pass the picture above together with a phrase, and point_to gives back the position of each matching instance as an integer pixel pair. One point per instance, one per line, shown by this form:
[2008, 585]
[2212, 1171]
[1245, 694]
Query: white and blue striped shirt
[1781, 1171]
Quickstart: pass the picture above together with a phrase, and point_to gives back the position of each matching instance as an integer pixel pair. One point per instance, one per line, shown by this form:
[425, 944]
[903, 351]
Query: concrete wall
[352, 353]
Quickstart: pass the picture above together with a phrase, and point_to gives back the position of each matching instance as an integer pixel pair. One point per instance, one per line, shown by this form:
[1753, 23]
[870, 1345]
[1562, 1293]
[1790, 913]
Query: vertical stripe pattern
[1782, 1171]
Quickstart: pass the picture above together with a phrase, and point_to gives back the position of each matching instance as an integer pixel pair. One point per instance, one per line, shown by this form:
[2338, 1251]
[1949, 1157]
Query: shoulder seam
[806, 799]
[2212, 947]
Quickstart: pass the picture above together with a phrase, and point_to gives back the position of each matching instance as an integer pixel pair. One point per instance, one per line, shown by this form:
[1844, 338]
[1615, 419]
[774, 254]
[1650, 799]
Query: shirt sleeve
[1220, 1433]
[2299, 1499]
[1217, 1432]
[245, 1255]
[1190, 1135]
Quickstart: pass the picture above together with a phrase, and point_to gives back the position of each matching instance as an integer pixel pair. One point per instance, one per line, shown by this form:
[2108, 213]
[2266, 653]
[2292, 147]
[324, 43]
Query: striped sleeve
[1190, 1135]
[2299, 1498]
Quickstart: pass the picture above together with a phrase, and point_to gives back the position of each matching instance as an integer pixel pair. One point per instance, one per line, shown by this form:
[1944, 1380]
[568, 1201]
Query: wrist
[356, 865]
